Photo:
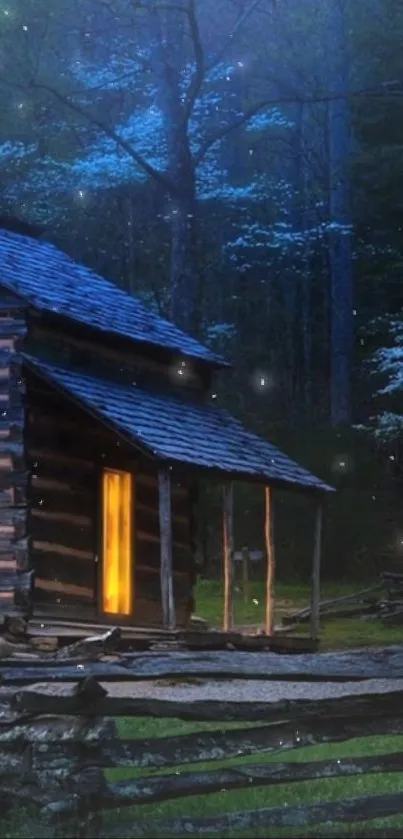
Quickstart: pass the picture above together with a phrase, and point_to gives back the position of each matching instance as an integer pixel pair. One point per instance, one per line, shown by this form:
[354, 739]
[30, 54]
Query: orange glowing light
[117, 574]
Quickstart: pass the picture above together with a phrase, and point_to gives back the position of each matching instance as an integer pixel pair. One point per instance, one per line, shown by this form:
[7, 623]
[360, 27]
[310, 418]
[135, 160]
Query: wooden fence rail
[57, 740]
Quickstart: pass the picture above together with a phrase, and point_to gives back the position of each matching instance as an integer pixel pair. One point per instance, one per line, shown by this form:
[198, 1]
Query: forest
[238, 165]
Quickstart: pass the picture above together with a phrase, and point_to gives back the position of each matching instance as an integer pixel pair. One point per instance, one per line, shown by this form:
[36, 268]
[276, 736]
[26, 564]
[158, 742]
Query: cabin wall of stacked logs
[78, 346]
[67, 450]
[54, 748]
[15, 573]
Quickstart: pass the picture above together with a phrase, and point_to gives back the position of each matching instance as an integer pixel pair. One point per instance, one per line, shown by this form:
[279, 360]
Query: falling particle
[25, 28]
[262, 382]
[354, 312]
[342, 464]
[81, 193]
[392, 457]
[214, 396]
[80, 667]
[240, 64]
[255, 602]
[180, 372]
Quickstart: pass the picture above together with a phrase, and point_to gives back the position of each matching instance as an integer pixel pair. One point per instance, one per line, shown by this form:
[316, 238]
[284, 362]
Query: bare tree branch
[387, 89]
[232, 35]
[198, 76]
[154, 173]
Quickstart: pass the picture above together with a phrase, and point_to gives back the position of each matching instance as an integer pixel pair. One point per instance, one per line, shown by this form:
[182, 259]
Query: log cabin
[106, 424]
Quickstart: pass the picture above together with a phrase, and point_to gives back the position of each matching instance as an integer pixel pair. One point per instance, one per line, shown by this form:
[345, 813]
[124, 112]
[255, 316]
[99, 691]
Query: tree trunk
[169, 60]
[339, 236]
[184, 269]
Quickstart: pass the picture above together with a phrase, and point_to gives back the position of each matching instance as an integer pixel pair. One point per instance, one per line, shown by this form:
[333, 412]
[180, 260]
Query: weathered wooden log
[270, 561]
[53, 728]
[13, 582]
[52, 746]
[393, 618]
[328, 605]
[42, 701]
[167, 787]
[354, 665]
[228, 550]
[51, 566]
[348, 810]
[77, 537]
[90, 649]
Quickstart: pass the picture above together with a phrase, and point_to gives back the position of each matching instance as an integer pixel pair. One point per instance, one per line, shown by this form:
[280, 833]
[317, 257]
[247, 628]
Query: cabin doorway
[118, 561]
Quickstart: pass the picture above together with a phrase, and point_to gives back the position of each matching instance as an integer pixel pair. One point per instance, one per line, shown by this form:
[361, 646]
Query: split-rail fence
[59, 733]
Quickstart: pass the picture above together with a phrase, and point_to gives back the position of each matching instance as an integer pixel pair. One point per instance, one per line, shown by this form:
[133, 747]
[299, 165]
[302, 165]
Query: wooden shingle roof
[52, 282]
[178, 431]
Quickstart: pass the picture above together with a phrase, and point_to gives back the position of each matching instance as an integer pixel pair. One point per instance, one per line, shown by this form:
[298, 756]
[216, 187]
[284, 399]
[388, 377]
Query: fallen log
[337, 614]
[328, 605]
[90, 649]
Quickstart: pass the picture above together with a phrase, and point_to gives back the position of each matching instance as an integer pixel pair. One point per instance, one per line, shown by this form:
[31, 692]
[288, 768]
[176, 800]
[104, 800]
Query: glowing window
[118, 543]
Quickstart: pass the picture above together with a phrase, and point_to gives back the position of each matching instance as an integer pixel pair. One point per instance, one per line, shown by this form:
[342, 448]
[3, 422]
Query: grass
[335, 633]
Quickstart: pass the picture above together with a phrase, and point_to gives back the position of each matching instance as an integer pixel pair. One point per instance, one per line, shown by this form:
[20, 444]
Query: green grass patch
[336, 633]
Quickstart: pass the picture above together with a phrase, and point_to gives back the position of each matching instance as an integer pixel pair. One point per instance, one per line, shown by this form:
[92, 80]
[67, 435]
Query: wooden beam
[165, 517]
[316, 559]
[228, 554]
[270, 561]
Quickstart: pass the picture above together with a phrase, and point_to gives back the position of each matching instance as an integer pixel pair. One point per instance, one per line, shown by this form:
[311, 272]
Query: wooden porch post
[270, 560]
[228, 554]
[167, 589]
[316, 559]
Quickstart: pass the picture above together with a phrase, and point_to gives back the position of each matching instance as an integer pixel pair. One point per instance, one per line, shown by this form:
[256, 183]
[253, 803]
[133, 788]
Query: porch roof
[178, 431]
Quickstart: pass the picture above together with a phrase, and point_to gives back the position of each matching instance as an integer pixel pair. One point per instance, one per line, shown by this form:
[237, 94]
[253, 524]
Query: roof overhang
[184, 434]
